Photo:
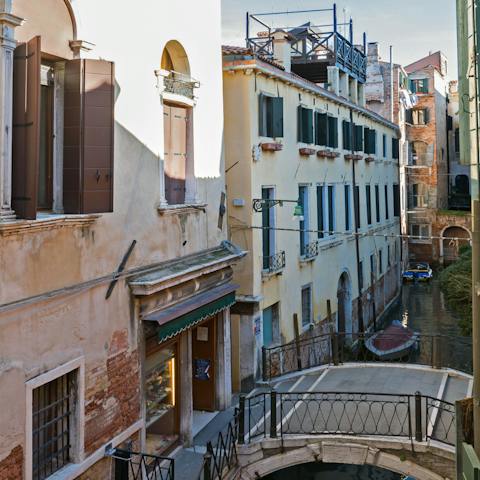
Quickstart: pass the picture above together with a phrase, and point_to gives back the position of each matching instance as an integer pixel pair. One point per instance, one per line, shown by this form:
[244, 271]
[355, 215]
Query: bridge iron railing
[283, 414]
[438, 351]
[131, 465]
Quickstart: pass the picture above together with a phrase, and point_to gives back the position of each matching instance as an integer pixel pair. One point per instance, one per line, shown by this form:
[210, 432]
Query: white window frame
[306, 326]
[78, 426]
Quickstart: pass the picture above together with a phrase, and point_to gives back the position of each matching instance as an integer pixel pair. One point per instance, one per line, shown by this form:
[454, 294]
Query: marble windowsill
[183, 208]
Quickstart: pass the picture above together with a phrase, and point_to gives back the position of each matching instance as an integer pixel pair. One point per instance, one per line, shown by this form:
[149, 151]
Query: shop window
[160, 396]
[304, 124]
[306, 305]
[271, 325]
[34, 138]
[270, 115]
[53, 420]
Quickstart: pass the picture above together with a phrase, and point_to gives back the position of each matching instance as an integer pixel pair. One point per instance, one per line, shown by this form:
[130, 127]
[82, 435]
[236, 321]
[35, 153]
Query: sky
[413, 27]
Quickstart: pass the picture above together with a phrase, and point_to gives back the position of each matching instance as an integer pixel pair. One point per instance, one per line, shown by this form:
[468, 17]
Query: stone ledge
[19, 227]
[184, 208]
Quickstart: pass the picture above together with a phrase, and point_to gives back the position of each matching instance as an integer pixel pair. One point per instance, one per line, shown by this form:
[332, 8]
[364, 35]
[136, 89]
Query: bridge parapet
[437, 351]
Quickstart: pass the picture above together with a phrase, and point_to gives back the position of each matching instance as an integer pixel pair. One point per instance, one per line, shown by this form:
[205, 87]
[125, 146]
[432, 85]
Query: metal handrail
[337, 348]
[142, 466]
[415, 417]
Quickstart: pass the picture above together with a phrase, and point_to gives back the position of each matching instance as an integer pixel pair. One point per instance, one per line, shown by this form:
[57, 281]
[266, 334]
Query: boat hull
[396, 353]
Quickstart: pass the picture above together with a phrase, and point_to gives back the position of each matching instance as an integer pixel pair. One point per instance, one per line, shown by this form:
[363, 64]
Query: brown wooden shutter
[88, 137]
[175, 129]
[26, 128]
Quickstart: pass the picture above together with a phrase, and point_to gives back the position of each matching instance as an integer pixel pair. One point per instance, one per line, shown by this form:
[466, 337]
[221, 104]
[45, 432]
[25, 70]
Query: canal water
[422, 307]
[332, 471]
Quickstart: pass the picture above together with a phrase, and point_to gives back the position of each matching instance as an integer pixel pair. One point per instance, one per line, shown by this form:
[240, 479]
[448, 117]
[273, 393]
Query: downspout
[356, 207]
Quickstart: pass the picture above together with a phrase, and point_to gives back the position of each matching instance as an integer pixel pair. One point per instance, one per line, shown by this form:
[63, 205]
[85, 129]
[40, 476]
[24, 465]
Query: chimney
[282, 49]
[372, 54]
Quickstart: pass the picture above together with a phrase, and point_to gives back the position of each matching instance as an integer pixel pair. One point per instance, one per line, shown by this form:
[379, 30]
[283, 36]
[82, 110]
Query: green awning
[174, 327]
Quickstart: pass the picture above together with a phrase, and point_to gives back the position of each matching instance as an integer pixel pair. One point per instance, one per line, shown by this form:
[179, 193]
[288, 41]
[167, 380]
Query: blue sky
[413, 27]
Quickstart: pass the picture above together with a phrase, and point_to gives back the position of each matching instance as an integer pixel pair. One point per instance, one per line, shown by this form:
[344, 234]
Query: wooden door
[175, 132]
[204, 341]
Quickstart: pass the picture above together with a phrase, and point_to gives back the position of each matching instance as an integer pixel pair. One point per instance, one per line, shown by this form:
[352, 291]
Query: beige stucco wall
[285, 170]
[41, 330]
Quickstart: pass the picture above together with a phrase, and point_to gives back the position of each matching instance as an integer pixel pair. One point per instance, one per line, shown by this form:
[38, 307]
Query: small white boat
[393, 343]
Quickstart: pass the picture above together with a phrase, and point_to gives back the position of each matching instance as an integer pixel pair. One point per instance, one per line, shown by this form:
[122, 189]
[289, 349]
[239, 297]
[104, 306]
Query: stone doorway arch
[454, 238]
[344, 304]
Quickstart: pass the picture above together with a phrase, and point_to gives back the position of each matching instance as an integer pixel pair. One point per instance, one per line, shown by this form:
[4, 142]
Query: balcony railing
[180, 84]
[310, 251]
[274, 263]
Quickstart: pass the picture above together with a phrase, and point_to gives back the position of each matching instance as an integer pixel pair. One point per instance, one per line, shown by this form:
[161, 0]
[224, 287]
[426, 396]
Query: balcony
[180, 84]
[310, 251]
[274, 263]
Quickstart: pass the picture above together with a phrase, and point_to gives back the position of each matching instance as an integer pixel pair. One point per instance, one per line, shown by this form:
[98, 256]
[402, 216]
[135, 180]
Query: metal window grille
[52, 410]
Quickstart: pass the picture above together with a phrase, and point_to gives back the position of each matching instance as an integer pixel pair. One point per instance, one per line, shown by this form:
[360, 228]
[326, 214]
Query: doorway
[204, 339]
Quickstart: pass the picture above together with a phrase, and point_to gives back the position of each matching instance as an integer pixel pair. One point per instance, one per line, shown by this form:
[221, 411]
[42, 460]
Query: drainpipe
[391, 85]
[361, 327]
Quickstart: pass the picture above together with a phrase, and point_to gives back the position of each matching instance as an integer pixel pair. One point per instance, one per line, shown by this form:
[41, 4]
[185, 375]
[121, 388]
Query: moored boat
[392, 343]
[418, 271]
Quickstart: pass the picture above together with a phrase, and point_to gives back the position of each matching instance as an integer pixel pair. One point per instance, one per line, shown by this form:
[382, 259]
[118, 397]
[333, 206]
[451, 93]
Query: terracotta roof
[234, 50]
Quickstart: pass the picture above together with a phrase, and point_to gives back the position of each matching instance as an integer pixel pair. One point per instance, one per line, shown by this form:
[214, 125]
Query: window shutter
[277, 108]
[373, 141]
[299, 124]
[307, 125]
[358, 138]
[261, 115]
[321, 126]
[26, 128]
[425, 85]
[366, 139]
[88, 138]
[413, 86]
[346, 135]
[332, 132]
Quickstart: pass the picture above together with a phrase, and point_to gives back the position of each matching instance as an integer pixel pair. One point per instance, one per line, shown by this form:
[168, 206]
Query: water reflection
[332, 471]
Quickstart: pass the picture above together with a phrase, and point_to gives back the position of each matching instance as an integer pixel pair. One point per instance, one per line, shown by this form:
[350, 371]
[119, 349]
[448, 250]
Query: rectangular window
[271, 325]
[384, 145]
[321, 129]
[395, 148]
[380, 262]
[358, 138]
[419, 85]
[370, 140]
[305, 124]
[418, 116]
[368, 196]
[360, 276]
[356, 206]
[457, 140]
[421, 231]
[347, 135]
[372, 267]
[418, 196]
[320, 211]
[268, 228]
[305, 223]
[387, 213]
[348, 208]
[306, 305]
[331, 209]
[396, 200]
[377, 203]
[270, 116]
[53, 411]
[332, 132]
[389, 261]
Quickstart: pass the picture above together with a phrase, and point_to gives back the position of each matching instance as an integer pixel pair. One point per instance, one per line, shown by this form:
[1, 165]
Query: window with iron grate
[52, 421]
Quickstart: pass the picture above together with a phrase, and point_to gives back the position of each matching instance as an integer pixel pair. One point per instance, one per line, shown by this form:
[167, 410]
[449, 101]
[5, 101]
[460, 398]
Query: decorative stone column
[8, 22]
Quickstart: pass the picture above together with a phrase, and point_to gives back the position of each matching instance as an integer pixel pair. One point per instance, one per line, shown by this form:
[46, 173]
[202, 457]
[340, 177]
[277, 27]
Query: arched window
[178, 103]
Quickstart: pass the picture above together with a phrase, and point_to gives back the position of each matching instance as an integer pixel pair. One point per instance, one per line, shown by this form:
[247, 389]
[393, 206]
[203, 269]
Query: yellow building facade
[289, 139]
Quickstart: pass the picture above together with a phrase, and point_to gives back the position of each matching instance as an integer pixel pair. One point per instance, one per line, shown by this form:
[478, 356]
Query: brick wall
[112, 394]
[11, 466]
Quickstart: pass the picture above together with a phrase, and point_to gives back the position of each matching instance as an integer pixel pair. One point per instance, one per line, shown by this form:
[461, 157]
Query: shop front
[184, 313]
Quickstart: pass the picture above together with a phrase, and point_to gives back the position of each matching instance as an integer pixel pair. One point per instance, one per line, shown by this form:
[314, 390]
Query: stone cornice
[21, 227]
[10, 19]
